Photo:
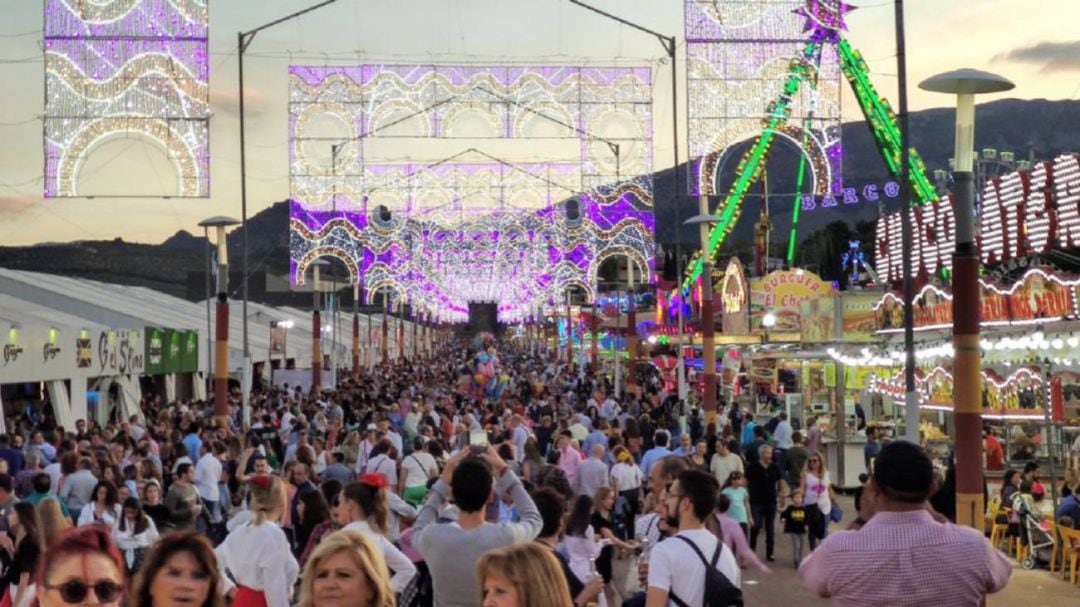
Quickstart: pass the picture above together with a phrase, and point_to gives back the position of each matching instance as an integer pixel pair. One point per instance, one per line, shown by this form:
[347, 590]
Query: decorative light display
[1017, 396]
[472, 226]
[126, 67]
[738, 57]
[1017, 220]
[707, 25]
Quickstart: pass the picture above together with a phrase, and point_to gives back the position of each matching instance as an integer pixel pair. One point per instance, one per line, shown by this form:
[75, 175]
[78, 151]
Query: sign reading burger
[783, 293]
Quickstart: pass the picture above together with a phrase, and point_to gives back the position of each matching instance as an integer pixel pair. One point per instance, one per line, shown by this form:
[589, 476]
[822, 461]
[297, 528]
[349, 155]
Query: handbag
[836, 513]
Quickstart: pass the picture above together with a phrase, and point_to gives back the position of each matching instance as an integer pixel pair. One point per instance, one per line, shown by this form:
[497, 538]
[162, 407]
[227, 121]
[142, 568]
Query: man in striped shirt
[902, 556]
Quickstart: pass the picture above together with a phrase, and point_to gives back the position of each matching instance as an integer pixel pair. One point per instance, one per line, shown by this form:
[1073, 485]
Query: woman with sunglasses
[25, 551]
[257, 553]
[180, 571]
[817, 501]
[82, 566]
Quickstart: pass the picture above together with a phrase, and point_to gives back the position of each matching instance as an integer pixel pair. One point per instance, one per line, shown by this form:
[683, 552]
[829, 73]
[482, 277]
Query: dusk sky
[1028, 42]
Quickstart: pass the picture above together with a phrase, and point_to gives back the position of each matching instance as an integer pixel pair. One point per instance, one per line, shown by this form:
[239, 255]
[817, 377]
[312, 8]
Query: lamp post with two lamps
[221, 333]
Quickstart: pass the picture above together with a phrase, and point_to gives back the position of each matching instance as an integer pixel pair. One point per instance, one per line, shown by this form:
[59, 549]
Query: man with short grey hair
[592, 473]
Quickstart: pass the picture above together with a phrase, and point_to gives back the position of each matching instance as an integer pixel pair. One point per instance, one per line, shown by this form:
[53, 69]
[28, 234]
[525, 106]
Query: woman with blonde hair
[817, 497]
[257, 553]
[53, 521]
[523, 575]
[346, 569]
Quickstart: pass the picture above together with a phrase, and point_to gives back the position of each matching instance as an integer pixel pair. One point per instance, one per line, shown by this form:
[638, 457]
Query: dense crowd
[415, 484]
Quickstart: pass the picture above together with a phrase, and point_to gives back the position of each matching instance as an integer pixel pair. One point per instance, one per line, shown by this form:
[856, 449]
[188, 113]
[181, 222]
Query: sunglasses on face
[75, 591]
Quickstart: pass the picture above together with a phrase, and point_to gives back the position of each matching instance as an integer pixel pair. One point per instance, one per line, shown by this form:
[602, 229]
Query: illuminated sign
[1023, 213]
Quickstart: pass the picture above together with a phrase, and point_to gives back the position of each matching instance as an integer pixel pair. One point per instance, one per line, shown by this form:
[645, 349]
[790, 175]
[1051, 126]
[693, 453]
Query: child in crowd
[794, 517]
[735, 490]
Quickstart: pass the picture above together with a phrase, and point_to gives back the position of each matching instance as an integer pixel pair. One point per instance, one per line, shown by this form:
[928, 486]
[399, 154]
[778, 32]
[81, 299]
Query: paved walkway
[782, 586]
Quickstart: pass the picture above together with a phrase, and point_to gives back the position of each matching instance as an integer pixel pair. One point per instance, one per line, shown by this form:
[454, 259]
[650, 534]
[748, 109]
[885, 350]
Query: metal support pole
[401, 331]
[708, 329]
[386, 330]
[569, 332]
[614, 342]
[631, 335]
[967, 364]
[595, 339]
[1050, 431]
[316, 333]
[356, 331]
[911, 397]
[209, 296]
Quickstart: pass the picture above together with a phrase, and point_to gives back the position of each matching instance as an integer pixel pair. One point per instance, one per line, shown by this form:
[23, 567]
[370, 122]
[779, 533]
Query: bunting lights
[126, 67]
[475, 224]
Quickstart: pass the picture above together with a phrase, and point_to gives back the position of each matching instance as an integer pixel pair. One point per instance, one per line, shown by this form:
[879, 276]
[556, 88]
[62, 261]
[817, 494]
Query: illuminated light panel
[121, 68]
[739, 57]
[1018, 212]
[471, 226]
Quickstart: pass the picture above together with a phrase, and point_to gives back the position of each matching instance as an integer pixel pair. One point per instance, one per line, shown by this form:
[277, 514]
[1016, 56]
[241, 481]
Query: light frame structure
[472, 226]
[126, 68]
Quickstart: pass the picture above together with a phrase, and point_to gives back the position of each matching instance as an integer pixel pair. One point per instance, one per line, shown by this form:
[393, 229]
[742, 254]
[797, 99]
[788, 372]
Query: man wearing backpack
[692, 568]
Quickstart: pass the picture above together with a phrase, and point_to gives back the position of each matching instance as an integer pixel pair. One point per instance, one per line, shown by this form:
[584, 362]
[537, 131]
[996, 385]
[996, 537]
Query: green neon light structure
[879, 116]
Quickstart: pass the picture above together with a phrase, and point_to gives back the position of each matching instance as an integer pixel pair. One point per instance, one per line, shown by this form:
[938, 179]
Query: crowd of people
[413, 485]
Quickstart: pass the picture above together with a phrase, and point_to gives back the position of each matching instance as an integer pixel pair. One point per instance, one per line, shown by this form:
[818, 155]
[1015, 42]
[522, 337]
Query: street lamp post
[705, 221]
[221, 333]
[967, 391]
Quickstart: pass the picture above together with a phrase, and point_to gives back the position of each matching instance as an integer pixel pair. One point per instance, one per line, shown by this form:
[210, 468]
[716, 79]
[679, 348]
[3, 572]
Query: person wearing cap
[371, 437]
[903, 555]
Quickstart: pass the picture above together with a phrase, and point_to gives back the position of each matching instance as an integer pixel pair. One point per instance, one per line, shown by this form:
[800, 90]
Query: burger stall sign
[783, 293]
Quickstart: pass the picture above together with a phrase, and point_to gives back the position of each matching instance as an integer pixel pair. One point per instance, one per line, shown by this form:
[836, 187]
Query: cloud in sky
[1051, 56]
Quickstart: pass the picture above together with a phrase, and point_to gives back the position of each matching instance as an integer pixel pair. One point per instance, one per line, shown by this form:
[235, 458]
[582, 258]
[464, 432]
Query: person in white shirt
[366, 446]
[383, 461]
[208, 476]
[675, 567]
[416, 469]
[394, 437]
[269, 579]
[724, 462]
[782, 436]
[364, 508]
[134, 534]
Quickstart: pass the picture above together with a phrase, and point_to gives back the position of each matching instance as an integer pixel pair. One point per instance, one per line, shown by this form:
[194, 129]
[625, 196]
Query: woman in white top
[257, 554]
[383, 460]
[364, 508]
[416, 470]
[104, 509]
[134, 533]
[817, 497]
[626, 480]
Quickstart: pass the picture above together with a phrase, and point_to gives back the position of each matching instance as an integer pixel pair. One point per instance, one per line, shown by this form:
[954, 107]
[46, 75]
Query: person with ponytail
[365, 508]
[257, 554]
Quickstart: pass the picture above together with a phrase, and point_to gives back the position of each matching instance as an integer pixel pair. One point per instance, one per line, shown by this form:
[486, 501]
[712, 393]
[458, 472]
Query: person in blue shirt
[193, 443]
[660, 439]
[14, 457]
[1070, 507]
[748, 430]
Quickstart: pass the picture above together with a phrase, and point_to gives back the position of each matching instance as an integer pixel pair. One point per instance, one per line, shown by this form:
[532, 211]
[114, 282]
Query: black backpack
[719, 591]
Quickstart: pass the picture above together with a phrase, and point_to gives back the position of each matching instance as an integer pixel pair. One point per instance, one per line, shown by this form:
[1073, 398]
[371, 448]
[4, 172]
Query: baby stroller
[1039, 543]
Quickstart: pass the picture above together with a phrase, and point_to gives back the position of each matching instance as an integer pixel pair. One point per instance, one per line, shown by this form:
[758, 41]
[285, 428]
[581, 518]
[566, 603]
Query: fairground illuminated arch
[474, 226]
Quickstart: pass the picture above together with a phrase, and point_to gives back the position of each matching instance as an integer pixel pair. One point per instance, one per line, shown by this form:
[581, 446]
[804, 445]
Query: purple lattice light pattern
[738, 53]
[121, 68]
[459, 226]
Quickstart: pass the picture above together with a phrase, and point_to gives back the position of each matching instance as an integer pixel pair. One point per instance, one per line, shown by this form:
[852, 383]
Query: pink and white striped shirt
[905, 559]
